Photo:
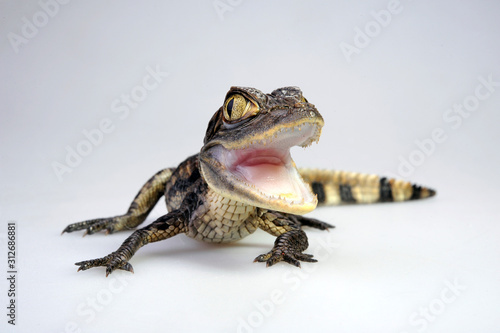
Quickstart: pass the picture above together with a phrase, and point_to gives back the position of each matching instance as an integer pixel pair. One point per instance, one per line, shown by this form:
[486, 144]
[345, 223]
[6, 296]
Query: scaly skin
[218, 195]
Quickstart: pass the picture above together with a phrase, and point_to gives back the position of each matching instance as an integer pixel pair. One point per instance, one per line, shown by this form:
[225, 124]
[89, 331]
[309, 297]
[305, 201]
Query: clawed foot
[111, 262]
[277, 255]
[288, 247]
[110, 224]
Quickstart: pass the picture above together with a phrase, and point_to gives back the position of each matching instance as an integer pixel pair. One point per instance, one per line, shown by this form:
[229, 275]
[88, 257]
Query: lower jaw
[267, 193]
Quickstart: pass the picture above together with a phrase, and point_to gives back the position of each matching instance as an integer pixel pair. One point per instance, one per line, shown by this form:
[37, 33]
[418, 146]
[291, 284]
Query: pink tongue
[267, 169]
[269, 178]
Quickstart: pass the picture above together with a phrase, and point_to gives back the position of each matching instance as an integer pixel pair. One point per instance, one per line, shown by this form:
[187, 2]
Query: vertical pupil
[229, 107]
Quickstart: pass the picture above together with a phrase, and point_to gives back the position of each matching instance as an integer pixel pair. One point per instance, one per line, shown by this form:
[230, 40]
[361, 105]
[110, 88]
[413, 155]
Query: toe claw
[306, 257]
[262, 257]
[127, 267]
[83, 266]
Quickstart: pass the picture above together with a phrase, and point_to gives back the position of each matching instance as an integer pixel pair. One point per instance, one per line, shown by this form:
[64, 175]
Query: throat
[223, 220]
[253, 157]
[262, 160]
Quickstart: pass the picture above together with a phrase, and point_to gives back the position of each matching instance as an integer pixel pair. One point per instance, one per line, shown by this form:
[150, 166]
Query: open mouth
[264, 166]
[270, 170]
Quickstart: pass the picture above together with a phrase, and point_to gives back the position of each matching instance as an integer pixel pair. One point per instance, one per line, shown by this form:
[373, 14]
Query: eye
[238, 107]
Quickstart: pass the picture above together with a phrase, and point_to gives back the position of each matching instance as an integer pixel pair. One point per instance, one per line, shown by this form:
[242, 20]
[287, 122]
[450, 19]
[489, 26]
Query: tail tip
[427, 193]
[421, 192]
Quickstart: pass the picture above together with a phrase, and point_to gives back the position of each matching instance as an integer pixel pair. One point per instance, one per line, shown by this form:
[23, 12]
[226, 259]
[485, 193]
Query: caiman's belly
[223, 220]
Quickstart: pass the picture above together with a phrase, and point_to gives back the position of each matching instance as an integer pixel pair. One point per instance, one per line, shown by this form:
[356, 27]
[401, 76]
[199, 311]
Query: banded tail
[337, 187]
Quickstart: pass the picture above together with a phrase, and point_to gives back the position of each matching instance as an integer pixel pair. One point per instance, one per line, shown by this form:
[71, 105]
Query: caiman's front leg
[291, 239]
[165, 227]
[139, 209]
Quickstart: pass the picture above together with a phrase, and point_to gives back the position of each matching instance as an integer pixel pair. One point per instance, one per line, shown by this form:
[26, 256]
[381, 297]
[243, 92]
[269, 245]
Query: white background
[385, 268]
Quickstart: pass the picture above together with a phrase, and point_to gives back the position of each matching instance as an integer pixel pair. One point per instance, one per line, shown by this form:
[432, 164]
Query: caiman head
[246, 152]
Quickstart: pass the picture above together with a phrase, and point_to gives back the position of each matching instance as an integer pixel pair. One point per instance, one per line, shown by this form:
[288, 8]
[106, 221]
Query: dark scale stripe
[385, 190]
[319, 190]
[346, 193]
[416, 192]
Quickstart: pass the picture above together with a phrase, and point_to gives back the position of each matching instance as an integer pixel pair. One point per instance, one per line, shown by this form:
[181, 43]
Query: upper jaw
[301, 133]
